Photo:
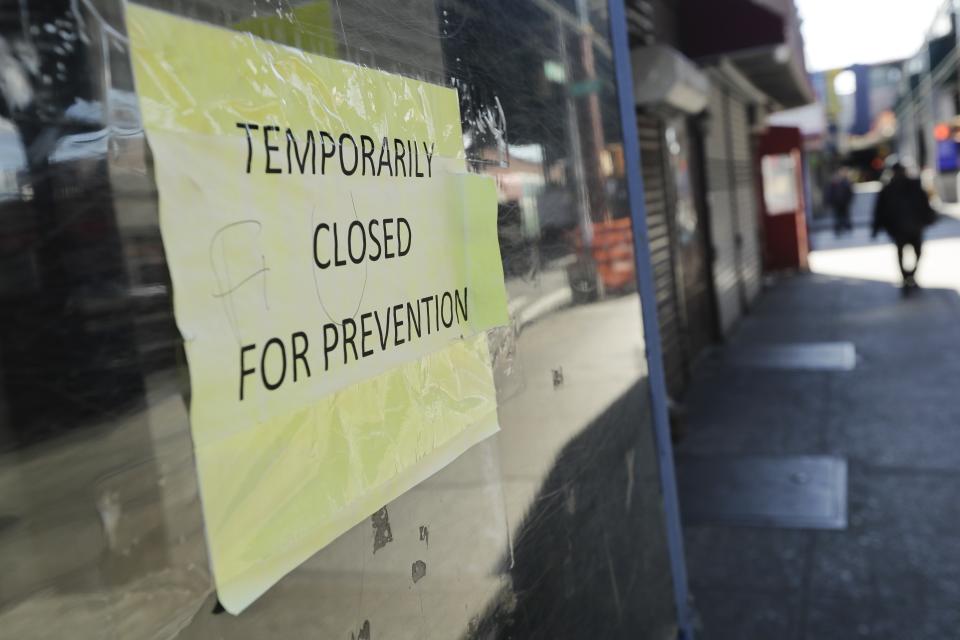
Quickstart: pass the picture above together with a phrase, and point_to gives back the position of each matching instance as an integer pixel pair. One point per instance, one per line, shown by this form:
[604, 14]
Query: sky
[838, 33]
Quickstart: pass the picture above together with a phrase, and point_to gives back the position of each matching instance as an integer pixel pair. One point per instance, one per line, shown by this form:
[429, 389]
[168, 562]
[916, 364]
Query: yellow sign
[334, 269]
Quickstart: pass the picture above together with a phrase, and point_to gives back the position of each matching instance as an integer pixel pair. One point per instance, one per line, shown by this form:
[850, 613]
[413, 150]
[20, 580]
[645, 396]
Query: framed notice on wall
[780, 181]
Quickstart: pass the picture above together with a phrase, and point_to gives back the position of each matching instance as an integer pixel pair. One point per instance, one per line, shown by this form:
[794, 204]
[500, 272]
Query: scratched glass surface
[551, 529]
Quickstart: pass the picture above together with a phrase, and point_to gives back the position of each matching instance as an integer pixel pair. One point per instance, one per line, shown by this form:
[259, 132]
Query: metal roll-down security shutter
[724, 227]
[733, 207]
[649, 23]
[745, 200]
[650, 130]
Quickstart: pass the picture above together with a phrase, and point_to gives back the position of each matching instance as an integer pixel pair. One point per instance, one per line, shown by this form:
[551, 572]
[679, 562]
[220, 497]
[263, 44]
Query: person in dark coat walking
[839, 196]
[903, 210]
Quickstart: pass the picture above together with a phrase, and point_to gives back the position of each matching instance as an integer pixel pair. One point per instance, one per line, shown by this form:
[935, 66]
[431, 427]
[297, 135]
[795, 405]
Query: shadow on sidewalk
[589, 558]
[894, 571]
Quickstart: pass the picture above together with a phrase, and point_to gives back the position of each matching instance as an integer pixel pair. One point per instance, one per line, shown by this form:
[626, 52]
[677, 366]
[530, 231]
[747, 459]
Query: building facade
[620, 268]
[928, 105]
[698, 139]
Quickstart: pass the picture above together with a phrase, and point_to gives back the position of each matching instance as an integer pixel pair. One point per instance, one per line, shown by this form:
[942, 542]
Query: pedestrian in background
[839, 197]
[903, 210]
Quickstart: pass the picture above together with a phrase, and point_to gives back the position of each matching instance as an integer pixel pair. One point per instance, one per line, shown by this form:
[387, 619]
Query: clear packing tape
[337, 355]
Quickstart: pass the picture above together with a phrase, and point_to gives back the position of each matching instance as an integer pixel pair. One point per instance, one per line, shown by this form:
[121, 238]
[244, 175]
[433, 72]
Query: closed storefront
[700, 94]
[723, 216]
[324, 319]
[176, 177]
[753, 71]
[652, 24]
[732, 198]
[660, 224]
[672, 170]
[745, 194]
[679, 249]
[684, 145]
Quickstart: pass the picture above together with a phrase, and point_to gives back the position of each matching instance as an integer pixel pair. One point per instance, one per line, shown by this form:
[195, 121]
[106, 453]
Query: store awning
[761, 38]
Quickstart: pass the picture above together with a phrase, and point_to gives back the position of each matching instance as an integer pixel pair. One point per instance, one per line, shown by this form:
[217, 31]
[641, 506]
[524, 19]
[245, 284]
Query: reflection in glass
[551, 529]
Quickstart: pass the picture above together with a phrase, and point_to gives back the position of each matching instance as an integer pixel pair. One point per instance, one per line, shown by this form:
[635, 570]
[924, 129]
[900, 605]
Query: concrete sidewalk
[894, 571]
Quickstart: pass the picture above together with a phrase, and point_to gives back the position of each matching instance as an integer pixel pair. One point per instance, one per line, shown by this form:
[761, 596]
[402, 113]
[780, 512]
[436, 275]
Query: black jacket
[902, 209]
[839, 194]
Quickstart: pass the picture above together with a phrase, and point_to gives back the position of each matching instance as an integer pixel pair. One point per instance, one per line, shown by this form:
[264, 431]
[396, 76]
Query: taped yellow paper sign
[334, 268]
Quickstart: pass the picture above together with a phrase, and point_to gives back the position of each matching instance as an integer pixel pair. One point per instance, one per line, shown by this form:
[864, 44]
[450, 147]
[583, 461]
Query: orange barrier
[612, 251]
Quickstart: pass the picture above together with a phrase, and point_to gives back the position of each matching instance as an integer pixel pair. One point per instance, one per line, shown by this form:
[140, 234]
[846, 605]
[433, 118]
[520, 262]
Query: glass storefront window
[552, 528]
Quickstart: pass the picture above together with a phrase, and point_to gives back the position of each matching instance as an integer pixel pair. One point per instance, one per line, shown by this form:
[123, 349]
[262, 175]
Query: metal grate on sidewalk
[789, 492]
[809, 356]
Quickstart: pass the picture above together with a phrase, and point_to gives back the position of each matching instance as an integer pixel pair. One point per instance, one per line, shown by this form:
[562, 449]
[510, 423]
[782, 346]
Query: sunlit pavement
[894, 572]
